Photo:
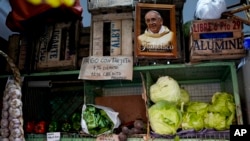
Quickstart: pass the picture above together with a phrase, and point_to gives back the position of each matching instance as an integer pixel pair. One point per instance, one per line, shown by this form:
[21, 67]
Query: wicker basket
[12, 115]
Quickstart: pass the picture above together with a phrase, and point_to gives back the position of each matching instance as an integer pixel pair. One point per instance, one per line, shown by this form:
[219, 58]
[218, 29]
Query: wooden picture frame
[167, 13]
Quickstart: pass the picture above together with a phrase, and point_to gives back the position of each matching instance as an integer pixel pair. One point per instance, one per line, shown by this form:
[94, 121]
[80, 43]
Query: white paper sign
[53, 136]
[106, 68]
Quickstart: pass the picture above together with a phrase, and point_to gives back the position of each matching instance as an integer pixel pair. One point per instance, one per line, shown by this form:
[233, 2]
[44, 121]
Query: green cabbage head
[221, 112]
[164, 117]
[165, 88]
[193, 116]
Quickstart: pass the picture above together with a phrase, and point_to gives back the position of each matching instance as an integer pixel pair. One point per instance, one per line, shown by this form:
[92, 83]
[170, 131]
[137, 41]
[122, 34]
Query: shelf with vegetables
[202, 80]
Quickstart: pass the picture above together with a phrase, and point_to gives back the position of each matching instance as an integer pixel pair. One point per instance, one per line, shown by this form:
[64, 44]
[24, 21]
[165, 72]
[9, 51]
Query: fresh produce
[40, 127]
[193, 116]
[164, 117]
[66, 126]
[166, 88]
[185, 96]
[76, 121]
[221, 112]
[53, 126]
[97, 120]
[29, 127]
[138, 127]
[12, 115]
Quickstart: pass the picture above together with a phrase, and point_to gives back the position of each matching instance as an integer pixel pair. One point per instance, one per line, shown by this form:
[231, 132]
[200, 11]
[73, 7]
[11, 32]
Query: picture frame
[167, 12]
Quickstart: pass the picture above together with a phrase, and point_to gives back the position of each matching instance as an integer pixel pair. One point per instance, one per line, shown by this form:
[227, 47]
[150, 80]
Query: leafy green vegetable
[184, 96]
[164, 118]
[221, 113]
[165, 88]
[97, 120]
[193, 116]
[53, 126]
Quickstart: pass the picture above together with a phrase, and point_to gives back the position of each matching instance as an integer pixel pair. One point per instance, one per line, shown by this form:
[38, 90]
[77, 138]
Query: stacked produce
[12, 116]
[138, 127]
[164, 115]
[172, 110]
[97, 120]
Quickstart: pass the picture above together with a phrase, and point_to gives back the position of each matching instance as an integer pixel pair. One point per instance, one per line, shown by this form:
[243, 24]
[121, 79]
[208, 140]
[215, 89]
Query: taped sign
[106, 68]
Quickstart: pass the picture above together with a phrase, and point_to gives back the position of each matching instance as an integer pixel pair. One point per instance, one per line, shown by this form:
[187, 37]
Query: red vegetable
[40, 127]
[30, 125]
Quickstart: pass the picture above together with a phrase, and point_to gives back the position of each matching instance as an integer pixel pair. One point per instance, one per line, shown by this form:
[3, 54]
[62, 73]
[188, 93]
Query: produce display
[12, 120]
[173, 113]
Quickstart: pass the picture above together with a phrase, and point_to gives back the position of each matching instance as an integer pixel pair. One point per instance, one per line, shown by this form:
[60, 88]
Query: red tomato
[40, 127]
[30, 125]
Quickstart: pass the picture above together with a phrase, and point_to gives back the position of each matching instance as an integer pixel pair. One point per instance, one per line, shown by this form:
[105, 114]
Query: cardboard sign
[106, 68]
[53, 136]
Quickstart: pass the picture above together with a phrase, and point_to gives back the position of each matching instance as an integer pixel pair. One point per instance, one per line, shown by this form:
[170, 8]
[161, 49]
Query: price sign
[106, 68]
[53, 136]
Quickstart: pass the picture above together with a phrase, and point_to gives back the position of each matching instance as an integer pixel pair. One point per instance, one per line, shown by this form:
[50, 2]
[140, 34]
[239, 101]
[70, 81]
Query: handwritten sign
[106, 68]
[108, 137]
[53, 136]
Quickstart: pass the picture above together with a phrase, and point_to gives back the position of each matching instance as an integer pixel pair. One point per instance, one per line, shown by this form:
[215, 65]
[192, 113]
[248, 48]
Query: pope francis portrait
[156, 37]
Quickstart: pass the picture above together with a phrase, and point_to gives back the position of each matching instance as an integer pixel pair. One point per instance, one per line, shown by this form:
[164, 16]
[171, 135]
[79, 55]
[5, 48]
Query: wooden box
[112, 34]
[107, 5]
[57, 47]
[216, 40]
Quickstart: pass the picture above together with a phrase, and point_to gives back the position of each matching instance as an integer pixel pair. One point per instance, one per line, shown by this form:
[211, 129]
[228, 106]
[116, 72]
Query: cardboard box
[94, 5]
[216, 40]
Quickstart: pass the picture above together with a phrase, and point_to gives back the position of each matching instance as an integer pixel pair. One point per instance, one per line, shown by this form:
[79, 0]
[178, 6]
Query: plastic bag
[113, 116]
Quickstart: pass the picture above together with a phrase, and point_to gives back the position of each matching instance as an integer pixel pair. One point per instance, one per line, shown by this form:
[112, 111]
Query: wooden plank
[56, 39]
[115, 38]
[56, 64]
[42, 45]
[96, 4]
[97, 46]
[127, 37]
[112, 16]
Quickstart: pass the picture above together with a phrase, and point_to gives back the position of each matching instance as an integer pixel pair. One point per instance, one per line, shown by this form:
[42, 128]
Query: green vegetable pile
[221, 112]
[172, 109]
[193, 115]
[97, 120]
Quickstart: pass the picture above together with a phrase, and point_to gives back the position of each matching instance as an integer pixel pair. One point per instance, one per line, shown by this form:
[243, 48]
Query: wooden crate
[109, 6]
[112, 34]
[57, 47]
[216, 40]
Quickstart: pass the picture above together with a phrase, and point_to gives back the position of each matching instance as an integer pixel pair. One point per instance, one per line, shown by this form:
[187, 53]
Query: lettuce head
[166, 88]
[193, 116]
[164, 117]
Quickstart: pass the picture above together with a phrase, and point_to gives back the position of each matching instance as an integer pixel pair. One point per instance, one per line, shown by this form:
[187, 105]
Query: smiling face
[154, 21]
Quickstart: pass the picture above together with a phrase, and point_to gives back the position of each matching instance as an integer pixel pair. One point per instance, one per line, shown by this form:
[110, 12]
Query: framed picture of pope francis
[155, 31]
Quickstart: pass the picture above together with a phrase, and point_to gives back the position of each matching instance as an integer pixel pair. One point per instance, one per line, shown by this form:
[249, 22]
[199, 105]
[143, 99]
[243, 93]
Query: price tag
[53, 136]
[108, 137]
[106, 68]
